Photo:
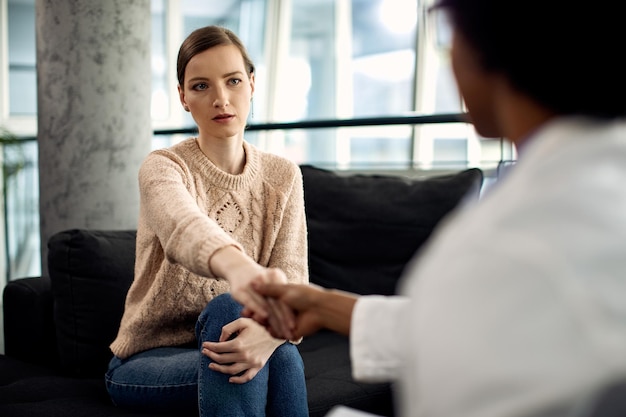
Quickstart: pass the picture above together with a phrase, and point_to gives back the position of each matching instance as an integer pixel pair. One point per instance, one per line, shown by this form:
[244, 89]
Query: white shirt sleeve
[343, 411]
[375, 351]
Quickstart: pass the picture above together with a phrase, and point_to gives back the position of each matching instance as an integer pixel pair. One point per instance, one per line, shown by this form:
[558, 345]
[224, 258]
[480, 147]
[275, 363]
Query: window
[21, 56]
[161, 96]
[315, 59]
[347, 59]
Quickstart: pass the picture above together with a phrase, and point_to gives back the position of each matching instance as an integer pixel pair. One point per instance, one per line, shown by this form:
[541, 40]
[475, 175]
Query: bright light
[394, 67]
[294, 91]
[159, 106]
[399, 16]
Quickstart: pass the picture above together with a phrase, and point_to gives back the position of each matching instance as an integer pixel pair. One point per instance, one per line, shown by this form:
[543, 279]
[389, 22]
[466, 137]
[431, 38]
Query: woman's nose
[221, 98]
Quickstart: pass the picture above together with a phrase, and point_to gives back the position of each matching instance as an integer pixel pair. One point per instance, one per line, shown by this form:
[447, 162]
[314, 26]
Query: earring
[186, 107]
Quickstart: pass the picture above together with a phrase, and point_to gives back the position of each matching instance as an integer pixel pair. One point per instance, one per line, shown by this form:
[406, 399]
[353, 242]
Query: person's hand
[243, 349]
[293, 312]
[240, 270]
[312, 308]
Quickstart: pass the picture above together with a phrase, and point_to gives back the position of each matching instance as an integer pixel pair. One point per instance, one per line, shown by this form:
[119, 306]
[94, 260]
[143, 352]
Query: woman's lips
[223, 118]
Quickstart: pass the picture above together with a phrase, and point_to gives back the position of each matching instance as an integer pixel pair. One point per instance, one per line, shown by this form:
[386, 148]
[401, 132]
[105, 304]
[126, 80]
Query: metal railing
[334, 123]
[21, 188]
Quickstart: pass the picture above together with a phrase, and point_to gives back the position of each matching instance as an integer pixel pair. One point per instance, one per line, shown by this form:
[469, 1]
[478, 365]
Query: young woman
[215, 214]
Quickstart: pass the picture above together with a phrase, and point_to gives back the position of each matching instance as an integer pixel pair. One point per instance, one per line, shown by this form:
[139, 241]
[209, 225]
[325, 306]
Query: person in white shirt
[517, 306]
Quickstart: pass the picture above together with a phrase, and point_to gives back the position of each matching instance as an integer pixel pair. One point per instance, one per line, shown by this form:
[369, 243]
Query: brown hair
[205, 38]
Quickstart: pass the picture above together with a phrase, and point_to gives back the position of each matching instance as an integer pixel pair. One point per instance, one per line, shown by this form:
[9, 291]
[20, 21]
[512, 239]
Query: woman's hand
[240, 271]
[243, 349]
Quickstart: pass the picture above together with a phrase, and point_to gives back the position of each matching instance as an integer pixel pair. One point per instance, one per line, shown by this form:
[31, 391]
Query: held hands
[240, 271]
[293, 310]
[243, 349]
[289, 311]
[310, 308]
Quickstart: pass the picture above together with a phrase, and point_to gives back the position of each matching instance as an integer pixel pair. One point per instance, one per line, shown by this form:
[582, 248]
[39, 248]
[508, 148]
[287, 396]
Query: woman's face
[477, 86]
[217, 91]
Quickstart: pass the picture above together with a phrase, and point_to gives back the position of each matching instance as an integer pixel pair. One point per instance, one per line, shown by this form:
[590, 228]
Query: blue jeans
[178, 379]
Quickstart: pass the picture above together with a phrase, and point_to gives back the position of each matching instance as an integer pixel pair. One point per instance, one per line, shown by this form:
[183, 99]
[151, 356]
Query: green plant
[12, 154]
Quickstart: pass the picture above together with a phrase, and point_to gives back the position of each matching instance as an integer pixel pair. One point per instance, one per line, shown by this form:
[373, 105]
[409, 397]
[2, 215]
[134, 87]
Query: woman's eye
[200, 86]
[234, 81]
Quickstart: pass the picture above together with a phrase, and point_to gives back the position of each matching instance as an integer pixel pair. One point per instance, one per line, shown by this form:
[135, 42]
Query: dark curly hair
[565, 55]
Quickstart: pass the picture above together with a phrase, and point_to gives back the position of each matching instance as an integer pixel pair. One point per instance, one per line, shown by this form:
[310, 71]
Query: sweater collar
[220, 178]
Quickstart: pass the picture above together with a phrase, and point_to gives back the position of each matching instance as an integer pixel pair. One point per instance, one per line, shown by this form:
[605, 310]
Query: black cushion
[329, 380]
[90, 273]
[363, 229]
[610, 400]
[34, 391]
[27, 303]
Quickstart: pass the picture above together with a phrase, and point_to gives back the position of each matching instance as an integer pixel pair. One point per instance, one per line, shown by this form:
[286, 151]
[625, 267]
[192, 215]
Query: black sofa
[362, 231]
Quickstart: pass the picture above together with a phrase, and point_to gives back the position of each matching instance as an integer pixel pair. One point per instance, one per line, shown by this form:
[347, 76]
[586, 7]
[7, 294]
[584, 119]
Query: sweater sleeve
[290, 252]
[169, 209]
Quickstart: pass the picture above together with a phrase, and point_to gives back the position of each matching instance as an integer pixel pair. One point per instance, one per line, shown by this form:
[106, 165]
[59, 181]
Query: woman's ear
[181, 96]
[251, 85]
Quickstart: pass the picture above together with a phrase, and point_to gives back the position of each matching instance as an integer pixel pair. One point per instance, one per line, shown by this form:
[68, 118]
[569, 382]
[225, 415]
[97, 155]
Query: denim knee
[218, 312]
[287, 383]
[157, 380]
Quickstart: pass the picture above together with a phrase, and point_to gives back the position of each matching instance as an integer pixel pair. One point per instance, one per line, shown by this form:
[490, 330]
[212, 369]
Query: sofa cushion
[363, 229]
[90, 273]
[27, 303]
[329, 380]
[28, 390]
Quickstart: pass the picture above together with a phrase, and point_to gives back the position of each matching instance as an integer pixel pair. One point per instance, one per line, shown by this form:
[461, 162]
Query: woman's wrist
[230, 263]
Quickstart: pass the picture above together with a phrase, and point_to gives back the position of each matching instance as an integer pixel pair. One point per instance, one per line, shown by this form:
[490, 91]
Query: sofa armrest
[29, 332]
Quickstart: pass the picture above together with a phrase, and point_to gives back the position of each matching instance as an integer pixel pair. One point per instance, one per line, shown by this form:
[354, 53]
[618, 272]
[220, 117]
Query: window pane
[322, 146]
[350, 59]
[383, 56]
[22, 55]
[160, 82]
[390, 145]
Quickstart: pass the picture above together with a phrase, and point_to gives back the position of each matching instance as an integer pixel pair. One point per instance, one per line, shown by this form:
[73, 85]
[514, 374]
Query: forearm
[334, 309]
[230, 263]
[170, 210]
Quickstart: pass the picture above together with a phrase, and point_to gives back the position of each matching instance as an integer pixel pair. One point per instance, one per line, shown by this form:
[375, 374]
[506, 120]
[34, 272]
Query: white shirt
[518, 304]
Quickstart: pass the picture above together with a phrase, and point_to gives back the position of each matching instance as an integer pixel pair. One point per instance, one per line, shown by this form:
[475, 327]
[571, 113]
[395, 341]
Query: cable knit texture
[190, 209]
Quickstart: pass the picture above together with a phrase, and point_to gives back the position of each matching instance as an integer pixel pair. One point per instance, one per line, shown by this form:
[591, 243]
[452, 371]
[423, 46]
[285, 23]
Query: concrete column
[94, 125]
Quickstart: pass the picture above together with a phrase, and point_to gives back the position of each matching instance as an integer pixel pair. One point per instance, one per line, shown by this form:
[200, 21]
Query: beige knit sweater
[189, 209]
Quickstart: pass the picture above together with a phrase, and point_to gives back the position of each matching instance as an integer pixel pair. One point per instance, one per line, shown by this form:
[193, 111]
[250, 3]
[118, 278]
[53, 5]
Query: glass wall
[315, 60]
[21, 206]
[347, 59]
[18, 110]
[328, 59]
[21, 56]
[161, 97]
